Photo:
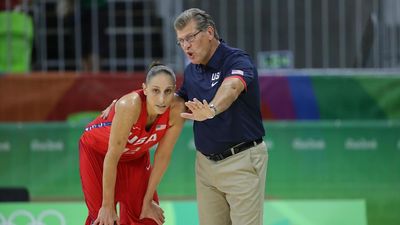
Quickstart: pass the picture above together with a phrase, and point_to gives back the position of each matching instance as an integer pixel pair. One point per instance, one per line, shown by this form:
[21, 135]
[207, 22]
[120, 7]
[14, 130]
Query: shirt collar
[215, 61]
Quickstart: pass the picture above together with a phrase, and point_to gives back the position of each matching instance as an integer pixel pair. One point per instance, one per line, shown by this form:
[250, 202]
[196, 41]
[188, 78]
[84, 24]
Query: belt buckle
[219, 157]
[213, 157]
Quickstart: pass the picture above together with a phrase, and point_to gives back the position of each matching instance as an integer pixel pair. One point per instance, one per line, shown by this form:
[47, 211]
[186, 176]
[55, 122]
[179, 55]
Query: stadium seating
[16, 34]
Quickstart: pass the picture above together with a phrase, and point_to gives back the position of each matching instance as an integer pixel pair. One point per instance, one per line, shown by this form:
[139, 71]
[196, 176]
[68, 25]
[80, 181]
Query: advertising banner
[307, 160]
[287, 96]
[304, 212]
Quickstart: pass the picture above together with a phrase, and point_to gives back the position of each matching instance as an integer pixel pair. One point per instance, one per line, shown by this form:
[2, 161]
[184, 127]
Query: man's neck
[214, 45]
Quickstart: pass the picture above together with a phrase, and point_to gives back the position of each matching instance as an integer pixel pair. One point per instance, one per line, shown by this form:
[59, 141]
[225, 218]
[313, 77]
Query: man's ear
[210, 32]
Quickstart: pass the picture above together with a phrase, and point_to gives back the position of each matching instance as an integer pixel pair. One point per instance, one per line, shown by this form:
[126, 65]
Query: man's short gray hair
[203, 20]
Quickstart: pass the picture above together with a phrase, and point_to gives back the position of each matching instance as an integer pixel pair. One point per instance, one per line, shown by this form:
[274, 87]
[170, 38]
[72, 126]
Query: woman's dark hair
[156, 68]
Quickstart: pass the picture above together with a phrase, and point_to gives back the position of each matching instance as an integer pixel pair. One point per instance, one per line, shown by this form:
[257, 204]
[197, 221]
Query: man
[221, 90]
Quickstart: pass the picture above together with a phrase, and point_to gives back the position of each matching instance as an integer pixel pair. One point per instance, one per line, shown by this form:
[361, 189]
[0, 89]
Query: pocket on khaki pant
[258, 157]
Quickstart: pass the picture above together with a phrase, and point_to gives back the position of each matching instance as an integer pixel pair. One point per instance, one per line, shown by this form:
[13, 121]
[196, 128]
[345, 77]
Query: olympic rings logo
[33, 221]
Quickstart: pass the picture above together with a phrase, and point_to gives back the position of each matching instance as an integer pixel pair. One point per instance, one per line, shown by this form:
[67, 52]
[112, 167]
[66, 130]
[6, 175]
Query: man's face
[195, 43]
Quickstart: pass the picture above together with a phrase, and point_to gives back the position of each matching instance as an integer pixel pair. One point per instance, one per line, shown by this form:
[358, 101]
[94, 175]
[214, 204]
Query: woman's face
[159, 91]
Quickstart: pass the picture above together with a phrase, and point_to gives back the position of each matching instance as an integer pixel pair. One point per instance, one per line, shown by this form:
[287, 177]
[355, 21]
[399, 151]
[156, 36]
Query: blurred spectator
[18, 5]
[87, 14]
[9, 4]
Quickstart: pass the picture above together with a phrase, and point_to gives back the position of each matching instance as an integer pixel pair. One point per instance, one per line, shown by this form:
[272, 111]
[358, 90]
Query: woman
[114, 152]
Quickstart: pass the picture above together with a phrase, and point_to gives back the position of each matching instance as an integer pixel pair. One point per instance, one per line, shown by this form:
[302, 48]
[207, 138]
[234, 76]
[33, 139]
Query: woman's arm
[127, 111]
[163, 152]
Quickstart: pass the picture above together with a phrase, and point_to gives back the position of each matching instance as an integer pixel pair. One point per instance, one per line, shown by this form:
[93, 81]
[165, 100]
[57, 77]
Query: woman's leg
[91, 172]
[132, 180]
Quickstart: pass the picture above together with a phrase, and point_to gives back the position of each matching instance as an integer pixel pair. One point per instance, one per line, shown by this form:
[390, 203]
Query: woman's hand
[107, 216]
[153, 211]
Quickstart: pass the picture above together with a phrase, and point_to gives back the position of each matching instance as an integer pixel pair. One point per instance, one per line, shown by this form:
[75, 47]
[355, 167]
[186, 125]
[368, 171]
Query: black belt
[234, 150]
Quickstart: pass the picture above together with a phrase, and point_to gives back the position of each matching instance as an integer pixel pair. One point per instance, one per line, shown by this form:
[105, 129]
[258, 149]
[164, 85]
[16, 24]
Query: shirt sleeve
[182, 91]
[240, 67]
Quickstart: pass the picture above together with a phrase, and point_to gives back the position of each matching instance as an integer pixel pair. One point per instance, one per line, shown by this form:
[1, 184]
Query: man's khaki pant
[231, 191]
